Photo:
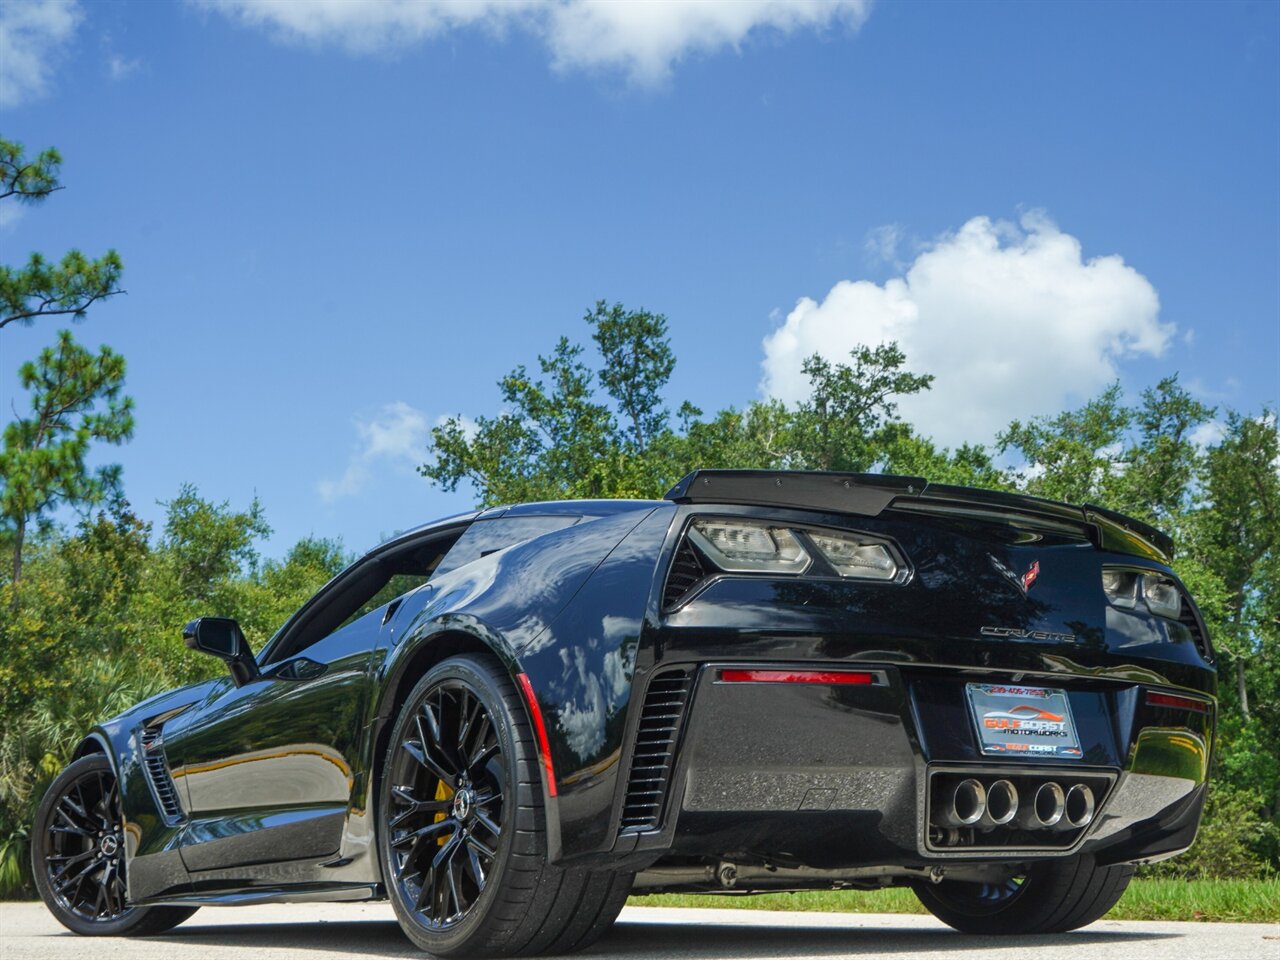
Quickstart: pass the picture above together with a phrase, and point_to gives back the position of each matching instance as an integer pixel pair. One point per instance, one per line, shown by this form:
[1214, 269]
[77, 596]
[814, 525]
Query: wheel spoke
[488, 824]
[476, 846]
[70, 810]
[465, 729]
[451, 873]
[483, 754]
[446, 852]
[473, 860]
[416, 750]
[427, 891]
[73, 831]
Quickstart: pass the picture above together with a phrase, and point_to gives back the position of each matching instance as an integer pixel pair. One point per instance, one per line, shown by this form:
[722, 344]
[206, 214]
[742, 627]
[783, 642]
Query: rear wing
[868, 494]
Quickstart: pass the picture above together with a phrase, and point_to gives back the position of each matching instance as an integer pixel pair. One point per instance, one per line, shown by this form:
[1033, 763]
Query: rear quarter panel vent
[653, 758]
[687, 570]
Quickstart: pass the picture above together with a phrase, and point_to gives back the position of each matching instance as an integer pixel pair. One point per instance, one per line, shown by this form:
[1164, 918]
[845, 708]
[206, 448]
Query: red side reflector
[539, 729]
[795, 676]
[1179, 703]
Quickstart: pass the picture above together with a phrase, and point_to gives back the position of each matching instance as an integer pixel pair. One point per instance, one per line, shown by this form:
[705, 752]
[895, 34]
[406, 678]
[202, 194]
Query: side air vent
[153, 760]
[654, 756]
[687, 571]
[1190, 618]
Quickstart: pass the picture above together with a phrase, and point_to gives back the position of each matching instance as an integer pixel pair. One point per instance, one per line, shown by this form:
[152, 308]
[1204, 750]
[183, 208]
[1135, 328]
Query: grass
[1236, 901]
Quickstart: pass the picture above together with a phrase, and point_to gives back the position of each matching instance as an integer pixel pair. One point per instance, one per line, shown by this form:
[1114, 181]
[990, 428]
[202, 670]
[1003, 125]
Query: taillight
[775, 675]
[1155, 699]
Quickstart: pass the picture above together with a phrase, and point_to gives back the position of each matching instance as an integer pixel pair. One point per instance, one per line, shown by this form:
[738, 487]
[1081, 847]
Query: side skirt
[295, 893]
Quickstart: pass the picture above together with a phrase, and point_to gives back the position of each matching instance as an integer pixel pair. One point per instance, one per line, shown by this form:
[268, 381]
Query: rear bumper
[840, 776]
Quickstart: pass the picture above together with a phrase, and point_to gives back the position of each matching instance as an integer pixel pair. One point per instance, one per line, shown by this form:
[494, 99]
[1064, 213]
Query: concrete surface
[314, 931]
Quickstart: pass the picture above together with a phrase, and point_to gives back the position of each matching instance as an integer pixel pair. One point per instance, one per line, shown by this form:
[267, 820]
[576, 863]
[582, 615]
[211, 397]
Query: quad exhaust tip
[1046, 808]
[1002, 804]
[1079, 806]
[968, 804]
[1050, 807]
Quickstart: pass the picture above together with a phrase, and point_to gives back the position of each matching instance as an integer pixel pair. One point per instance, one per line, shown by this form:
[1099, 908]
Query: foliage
[75, 400]
[605, 432]
[30, 180]
[41, 288]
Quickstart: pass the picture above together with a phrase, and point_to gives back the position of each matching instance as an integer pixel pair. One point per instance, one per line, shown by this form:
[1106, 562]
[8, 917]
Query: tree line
[90, 610]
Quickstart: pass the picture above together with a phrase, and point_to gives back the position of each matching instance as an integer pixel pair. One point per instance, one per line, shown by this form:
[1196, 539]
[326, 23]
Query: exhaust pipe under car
[967, 804]
[1002, 804]
[1046, 808]
[1079, 806]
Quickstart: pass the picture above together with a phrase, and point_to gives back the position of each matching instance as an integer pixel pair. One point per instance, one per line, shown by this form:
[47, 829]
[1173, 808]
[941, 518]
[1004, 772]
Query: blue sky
[337, 230]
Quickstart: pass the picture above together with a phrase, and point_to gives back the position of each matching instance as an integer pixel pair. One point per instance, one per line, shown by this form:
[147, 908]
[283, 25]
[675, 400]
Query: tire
[1053, 897]
[77, 856]
[462, 828]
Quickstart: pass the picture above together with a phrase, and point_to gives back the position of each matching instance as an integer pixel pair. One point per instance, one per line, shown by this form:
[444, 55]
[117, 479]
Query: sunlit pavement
[652, 933]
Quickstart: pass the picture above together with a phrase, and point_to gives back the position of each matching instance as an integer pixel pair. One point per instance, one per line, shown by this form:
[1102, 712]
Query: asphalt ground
[315, 931]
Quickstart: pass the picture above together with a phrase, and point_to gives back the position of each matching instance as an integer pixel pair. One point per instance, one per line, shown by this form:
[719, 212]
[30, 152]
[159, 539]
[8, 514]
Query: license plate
[1014, 720]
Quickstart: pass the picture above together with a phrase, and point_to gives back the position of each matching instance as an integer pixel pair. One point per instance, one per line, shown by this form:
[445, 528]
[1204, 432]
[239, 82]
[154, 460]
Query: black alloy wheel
[78, 856]
[462, 826]
[447, 804]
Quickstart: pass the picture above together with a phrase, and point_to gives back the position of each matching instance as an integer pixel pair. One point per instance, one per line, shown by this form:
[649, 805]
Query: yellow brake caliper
[443, 792]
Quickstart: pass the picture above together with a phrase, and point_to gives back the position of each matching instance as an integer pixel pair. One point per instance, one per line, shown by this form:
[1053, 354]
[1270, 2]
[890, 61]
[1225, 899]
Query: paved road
[315, 931]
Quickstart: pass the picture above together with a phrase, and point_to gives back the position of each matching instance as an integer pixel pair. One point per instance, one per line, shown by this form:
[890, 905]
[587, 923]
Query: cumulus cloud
[643, 39]
[1012, 320]
[394, 438]
[33, 37]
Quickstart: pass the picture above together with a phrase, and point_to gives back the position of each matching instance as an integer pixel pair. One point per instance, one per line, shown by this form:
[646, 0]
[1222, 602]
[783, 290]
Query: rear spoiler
[868, 494]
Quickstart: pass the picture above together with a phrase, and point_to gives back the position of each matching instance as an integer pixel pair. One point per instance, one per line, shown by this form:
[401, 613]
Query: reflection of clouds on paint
[621, 635]
[583, 721]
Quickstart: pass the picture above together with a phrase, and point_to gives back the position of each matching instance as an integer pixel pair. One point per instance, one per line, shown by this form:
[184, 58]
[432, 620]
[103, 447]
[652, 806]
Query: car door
[270, 769]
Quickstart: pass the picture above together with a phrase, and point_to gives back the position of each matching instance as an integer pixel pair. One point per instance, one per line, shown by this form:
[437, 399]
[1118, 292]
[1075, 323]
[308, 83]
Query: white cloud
[1010, 318]
[33, 34]
[882, 242]
[120, 67]
[10, 214]
[643, 39]
[395, 438]
[1208, 434]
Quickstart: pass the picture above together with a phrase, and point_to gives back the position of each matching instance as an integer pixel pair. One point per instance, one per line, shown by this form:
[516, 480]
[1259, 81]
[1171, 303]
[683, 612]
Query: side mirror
[222, 637]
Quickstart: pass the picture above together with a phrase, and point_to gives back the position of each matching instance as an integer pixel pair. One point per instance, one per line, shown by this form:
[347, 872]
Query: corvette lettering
[1019, 634]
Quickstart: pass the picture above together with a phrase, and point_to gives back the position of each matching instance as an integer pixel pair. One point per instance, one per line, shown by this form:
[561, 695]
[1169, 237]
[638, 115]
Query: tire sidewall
[482, 684]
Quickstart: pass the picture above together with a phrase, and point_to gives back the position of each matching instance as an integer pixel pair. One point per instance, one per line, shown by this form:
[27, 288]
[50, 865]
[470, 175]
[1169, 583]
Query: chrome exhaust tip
[1079, 806]
[968, 804]
[1002, 804]
[1046, 808]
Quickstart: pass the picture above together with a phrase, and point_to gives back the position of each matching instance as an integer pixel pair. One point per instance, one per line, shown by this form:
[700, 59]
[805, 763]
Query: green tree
[1242, 539]
[41, 288]
[76, 399]
[846, 421]
[1075, 455]
[573, 431]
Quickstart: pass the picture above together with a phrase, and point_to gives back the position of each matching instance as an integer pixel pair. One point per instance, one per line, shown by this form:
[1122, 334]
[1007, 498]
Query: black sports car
[506, 722]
